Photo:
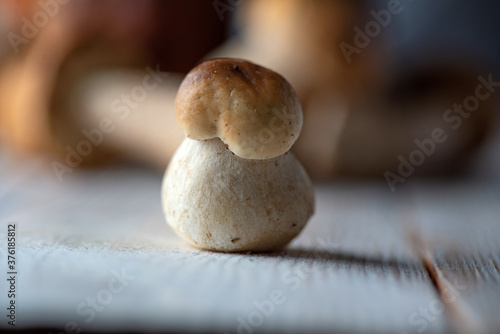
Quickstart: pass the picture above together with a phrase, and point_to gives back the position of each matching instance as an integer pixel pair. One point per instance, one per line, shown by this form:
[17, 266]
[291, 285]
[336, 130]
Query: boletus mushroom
[232, 185]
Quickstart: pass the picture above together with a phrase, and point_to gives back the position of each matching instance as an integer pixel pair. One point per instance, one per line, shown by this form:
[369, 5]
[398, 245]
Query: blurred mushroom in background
[361, 108]
[373, 87]
[60, 83]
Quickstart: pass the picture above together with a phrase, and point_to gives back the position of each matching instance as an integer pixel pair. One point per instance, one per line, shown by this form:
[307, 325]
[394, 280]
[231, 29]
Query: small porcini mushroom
[231, 185]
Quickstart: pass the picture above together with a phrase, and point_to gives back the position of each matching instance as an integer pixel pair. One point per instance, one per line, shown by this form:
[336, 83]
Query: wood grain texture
[355, 267]
[460, 226]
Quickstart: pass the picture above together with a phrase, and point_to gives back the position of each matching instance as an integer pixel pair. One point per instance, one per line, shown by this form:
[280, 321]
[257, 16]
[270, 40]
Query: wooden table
[94, 253]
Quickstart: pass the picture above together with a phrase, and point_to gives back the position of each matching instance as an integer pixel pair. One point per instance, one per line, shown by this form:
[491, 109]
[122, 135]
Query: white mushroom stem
[219, 201]
[143, 129]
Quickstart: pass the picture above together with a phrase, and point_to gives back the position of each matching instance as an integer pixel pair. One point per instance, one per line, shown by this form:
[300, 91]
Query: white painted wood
[460, 223]
[350, 270]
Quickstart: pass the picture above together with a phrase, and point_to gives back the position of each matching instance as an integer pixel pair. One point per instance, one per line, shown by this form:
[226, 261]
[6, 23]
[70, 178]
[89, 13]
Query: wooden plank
[350, 270]
[460, 223]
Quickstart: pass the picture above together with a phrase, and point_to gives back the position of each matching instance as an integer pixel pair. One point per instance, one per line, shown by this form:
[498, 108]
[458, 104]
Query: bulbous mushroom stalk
[231, 185]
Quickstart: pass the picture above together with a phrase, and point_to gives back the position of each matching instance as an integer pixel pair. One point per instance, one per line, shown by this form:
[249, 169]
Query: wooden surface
[424, 259]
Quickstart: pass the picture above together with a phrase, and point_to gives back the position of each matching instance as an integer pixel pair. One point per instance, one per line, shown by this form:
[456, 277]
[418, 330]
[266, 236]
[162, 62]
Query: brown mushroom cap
[253, 110]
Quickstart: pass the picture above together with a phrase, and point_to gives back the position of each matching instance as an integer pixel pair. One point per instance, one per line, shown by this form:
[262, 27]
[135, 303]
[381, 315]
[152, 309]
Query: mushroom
[232, 185]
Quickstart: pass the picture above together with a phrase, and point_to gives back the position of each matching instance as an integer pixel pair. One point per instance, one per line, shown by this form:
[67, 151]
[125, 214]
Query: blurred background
[391, 91]
[86, 83]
